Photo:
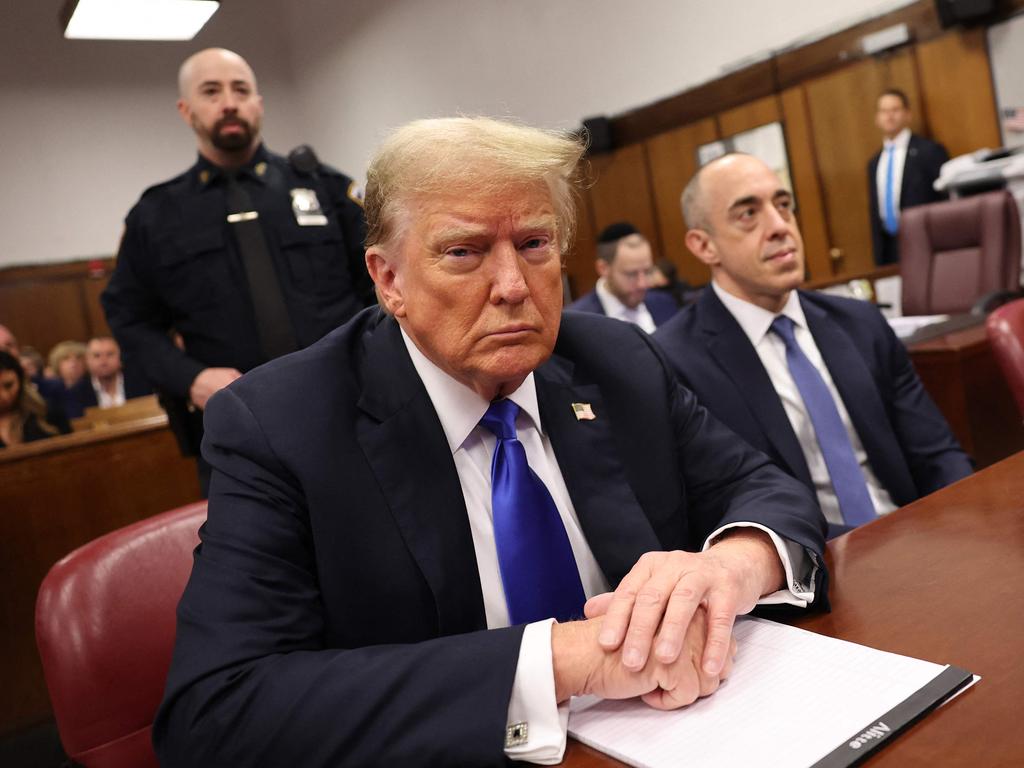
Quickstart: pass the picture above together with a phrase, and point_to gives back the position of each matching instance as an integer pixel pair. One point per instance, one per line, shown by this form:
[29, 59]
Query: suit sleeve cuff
[537, 724]
[799, 564]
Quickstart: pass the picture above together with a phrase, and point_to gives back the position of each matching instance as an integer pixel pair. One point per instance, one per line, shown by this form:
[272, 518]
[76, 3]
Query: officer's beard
[234, 141]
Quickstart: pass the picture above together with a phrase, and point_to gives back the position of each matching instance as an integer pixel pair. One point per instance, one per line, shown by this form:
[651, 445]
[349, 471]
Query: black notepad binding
[880, 732]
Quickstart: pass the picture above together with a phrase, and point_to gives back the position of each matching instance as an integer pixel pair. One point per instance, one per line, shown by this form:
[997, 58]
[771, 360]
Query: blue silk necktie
[892, 223]
[538, 570]
[844, 469]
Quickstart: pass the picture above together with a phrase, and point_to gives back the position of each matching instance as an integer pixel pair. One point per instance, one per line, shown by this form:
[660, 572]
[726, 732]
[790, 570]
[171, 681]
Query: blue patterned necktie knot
[843, 468]
[538, 569]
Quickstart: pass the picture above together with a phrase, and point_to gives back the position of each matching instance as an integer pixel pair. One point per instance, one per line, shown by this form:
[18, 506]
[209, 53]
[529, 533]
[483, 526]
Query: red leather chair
[955, 252]
[1005, 328]
[105, 619]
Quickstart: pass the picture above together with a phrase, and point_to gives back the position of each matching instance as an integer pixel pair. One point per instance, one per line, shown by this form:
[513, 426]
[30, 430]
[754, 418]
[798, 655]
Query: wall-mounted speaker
[599, 133]
[959, 11]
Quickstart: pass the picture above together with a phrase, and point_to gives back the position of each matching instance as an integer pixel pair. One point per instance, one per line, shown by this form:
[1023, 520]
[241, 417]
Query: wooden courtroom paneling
[956, 91]
[579, 261]
[750, 115]
[845, 47]
[91, 290]
[45, 304]
[737, 88]
[56, 495]
[673, 160]
[842, 112]
[803, 166]
[621, 191]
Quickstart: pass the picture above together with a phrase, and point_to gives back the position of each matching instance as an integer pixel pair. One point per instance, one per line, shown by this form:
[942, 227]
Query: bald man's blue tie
[538, 570]
[844, 469]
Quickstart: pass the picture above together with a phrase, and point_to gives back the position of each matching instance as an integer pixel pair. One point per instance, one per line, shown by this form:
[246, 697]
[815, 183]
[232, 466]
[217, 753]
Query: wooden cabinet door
[673, 160]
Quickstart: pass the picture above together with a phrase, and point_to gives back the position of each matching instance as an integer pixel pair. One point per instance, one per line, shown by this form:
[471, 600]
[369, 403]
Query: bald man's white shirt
[756, 323]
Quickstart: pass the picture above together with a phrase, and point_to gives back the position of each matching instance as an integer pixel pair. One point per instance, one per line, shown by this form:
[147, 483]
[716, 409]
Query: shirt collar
[458, 407]
[754, 320]
[207, 173]
[615, 308]
[900, 141]
[97, 385]
[612, 306]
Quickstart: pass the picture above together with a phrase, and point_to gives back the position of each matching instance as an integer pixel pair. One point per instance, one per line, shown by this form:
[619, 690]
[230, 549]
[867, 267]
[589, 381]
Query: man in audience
[106, 386]
[821, 384]
[246, 256]
[624, 265]
[900, 175]
[400, 511]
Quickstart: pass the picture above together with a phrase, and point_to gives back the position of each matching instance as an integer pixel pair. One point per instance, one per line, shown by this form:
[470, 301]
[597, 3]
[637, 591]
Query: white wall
[549, 62]
[86, 126]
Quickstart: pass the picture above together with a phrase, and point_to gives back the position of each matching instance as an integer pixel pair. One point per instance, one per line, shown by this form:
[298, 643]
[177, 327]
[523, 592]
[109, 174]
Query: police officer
[244, 257]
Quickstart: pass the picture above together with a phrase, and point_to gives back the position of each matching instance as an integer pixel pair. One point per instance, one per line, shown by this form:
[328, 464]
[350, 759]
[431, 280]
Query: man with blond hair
[244, 257]
[431, 528]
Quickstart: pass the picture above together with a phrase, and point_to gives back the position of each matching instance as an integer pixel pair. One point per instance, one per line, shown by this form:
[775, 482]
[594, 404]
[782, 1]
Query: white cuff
[801, 568]
[533, 702]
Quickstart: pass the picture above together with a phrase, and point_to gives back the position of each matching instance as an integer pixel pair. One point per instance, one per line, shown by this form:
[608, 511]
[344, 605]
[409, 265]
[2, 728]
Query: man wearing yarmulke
[624, 264]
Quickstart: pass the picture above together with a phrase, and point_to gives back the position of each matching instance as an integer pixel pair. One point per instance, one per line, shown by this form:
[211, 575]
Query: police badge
[307, 209]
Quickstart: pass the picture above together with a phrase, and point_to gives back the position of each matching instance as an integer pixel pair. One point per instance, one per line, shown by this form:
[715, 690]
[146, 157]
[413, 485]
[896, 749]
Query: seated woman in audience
[22, 411]
[67, 361]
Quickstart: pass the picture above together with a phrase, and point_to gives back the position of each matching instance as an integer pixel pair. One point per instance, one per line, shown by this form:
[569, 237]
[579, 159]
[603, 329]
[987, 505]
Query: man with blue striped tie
[900, 175]
[819, 383]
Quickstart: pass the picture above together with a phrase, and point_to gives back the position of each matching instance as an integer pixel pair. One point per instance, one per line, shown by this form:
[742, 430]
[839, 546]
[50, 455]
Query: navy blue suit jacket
[661, 306]
[334, 614]
[908, 442]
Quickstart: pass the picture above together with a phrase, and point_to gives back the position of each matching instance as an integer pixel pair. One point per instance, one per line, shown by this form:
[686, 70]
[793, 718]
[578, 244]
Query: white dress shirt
[756, 324]
[459, 410]
[639, 315]
[106, 400]
[899, 143]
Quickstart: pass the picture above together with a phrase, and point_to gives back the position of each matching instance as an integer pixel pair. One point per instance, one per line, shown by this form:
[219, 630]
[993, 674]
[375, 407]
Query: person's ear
[702, 246]
[185, 111]
[383, 271]
[602, 267]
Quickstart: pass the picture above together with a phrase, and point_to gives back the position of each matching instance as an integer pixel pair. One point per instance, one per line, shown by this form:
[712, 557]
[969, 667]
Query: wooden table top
[943, 580]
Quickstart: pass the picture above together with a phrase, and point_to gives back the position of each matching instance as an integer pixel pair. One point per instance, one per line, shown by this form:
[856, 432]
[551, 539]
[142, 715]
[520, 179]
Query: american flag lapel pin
[583, 412]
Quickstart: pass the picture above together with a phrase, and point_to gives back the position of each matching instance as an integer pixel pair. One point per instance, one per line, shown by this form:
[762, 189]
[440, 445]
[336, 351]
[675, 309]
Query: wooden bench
[133, 410]
[56, 495]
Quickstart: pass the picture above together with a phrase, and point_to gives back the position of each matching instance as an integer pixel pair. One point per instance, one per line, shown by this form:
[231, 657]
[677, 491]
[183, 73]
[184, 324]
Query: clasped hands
[665, 634]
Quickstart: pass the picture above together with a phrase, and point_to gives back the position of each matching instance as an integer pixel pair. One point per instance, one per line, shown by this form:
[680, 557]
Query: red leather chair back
[105, 619]
[1005, 328]
[954, 252]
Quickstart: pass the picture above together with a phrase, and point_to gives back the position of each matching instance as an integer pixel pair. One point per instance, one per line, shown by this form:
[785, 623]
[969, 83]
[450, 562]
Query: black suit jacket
[334, 614]
[908, 442]
[924, 161]
[82, 395]
[661, 306]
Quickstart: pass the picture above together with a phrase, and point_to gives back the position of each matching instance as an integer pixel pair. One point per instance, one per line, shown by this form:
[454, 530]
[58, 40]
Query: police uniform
[179, 269]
